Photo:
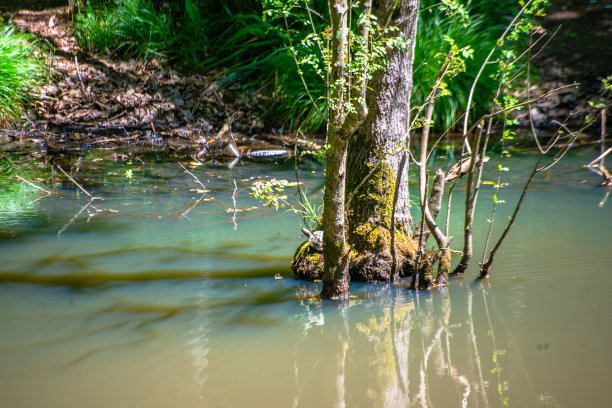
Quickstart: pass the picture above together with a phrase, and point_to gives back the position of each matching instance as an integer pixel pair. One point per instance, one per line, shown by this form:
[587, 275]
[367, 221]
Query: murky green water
[152, 298]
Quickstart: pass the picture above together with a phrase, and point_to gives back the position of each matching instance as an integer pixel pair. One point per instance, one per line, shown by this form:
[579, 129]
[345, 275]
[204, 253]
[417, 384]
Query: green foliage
[365, 55]
[607, 83]
[435, 29]
[21, 72]
[253, 43]
[270, 192]
[254, 51]
[136, 28]
[312, 213]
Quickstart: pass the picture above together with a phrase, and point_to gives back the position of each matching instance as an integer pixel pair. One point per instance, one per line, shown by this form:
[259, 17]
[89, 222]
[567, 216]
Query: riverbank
[102, 102]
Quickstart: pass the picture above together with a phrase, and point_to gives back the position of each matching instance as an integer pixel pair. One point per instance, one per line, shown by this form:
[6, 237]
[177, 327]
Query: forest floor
[102, 102]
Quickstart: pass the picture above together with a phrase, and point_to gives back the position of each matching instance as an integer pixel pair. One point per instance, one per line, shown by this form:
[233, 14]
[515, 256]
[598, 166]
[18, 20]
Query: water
[145, 299]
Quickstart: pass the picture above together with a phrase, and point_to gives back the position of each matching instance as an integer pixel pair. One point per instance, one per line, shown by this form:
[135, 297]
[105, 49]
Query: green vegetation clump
[253, 51]
[21, 72]
[138, 29]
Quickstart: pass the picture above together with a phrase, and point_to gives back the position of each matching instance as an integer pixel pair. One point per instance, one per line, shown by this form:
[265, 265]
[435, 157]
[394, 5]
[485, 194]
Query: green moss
[374, 199]
[369, 236]
[301, 249]
[307, 264]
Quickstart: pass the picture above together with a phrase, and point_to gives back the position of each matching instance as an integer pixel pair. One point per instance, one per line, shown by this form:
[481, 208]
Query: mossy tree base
[370, 260]
[372, 254]
[307, 263]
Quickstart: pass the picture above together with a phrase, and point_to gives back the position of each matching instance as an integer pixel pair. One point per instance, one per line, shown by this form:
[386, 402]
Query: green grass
[138, 29]
[131, 28]
[21, 73]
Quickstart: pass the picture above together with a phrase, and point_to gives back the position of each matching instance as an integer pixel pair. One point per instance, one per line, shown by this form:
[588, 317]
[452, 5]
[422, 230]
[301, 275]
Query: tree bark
[341, 126]
[335, 252]
[376, 154]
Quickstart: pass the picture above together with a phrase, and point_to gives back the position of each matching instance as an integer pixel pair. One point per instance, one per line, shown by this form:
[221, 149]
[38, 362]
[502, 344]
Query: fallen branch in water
[78, 185]
[33, 185]
[195, 178]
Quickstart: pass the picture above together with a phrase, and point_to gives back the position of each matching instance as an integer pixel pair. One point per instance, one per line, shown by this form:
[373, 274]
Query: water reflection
[419, 349]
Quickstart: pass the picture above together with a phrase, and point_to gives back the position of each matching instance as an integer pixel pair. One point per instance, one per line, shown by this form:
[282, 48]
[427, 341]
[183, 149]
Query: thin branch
[33, 185]
[601, 156]
[472, 89]
[194, 177]
[430, 7]
[235, 209]
[77, 184]
[300, 73]
[486, 268]
[518, 105]
[74, 217]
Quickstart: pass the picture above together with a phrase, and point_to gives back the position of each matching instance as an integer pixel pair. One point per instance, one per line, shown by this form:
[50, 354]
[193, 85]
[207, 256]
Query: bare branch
[77, 184]
[601, 156]
[33, 185]
[194, 177]
[472, 89]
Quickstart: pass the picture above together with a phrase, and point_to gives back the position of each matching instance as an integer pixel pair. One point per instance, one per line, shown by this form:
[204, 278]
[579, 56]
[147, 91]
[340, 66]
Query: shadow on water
[94, 279]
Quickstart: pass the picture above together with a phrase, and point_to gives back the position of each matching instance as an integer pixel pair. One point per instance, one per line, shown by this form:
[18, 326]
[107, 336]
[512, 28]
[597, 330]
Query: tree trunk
[335, 253]
[379, 220]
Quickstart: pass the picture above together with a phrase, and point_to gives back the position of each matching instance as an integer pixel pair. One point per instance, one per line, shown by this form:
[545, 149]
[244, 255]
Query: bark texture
[341, 126]
[375, 162]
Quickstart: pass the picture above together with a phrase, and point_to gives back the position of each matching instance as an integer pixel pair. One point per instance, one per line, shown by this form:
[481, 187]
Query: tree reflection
[418, 349]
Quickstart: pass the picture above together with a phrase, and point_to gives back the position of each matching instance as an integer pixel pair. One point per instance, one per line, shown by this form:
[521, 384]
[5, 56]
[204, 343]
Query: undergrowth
[235, 39]
[137, 29]
[21, 73]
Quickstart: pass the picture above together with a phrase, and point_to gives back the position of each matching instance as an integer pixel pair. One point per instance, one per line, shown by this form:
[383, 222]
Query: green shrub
[21, 73]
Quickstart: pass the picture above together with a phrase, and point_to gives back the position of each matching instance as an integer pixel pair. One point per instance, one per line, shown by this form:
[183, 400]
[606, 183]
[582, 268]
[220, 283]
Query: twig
[473, 88]
[601, 156]
[74, 217]
[297, 176]
[32, 184]
[300, 73]
[518, 105]
[194, 177]
[486, 267]
[604, 199]
[76, 62]
[77, 184]
[194, 205]
[235, 210]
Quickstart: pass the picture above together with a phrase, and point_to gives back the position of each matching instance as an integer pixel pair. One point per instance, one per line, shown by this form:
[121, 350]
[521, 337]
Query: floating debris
[266, 153]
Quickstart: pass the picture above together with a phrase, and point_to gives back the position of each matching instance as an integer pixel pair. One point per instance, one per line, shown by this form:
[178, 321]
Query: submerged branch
[33, 185]
[77, 184]
[486, 267]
